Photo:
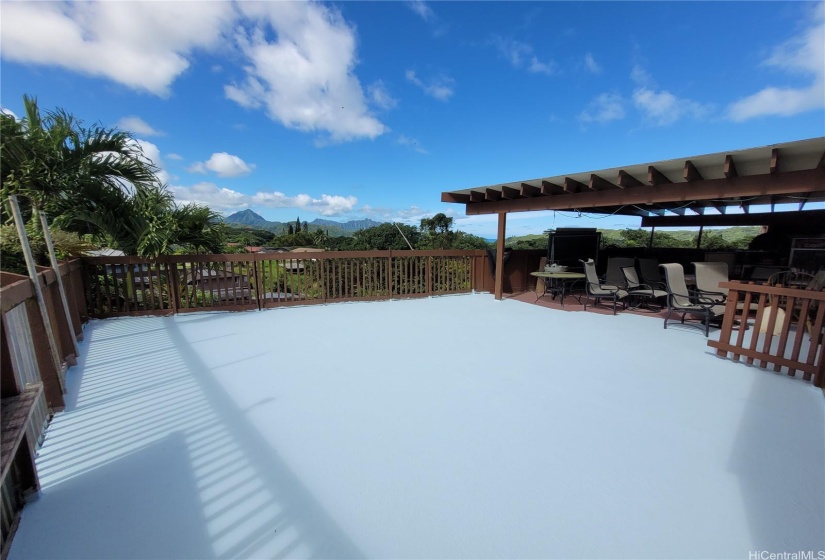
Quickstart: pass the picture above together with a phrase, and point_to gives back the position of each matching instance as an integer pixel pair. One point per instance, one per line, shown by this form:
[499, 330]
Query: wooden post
[699, 237]
[53, 258]
[650, 242]
[38, 292]
[502, 226]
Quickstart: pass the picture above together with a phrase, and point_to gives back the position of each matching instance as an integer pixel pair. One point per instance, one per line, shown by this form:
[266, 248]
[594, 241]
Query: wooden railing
[791, 341]
[35, 351]
[179, 283]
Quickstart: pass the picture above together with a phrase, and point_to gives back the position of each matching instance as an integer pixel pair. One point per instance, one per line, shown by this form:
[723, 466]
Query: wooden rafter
[509, 193]
[475, 196]
[656, 177]
[528, 190]
[625, 180]
[691, 173]
[791, 182]
[774, 161]
[573, 186]
[456, 197]
[600, 184]
[548, 188]
[730, 167]
[492, 194]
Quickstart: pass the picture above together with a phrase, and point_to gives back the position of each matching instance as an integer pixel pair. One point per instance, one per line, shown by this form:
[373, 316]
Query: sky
[355, 110]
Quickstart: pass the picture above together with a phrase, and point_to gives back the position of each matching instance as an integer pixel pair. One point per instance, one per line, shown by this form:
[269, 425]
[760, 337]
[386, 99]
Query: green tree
[290, 230]
[436, 232]
[97, 182]
[383, 237]
[298, 225]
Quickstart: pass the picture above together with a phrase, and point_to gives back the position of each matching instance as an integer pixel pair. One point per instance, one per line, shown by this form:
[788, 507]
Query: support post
[699, 237]
[44, 223]
[38, 292]
[499, 281]
[650, 241]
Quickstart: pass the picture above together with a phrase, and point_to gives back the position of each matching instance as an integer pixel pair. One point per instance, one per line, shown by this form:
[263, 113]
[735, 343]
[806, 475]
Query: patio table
[557, 283]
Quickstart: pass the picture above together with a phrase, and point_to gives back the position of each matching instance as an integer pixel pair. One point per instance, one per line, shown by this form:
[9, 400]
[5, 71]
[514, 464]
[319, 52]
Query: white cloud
[304, 78]
[804, 55]
[411, 143]
[591, 65]
[8, 112]
[380, 96]
[152, 153]
[604, 108]
[441, 87]
[663, 108]
[176, 157]
[537, 67]
[223, 165]
[142, 45]
[422, 9]
[411, 215]
[641, 77]
[227, 200]
[521, 55]
[137, 125]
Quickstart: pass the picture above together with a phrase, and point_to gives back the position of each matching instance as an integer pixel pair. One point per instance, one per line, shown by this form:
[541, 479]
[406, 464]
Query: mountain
[351, 226]
[248, 218]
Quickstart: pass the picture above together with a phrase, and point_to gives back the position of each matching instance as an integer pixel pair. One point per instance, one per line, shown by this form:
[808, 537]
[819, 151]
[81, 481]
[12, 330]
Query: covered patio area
[574, 435]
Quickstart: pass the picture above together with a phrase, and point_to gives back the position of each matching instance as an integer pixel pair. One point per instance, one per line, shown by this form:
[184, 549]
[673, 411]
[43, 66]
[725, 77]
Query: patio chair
[613, 275]
[649, 270]
[688, 302]
[636, 289]
[599, 290]
[708, 277]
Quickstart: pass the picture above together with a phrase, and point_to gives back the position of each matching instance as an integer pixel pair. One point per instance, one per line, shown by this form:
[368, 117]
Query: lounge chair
[599, 290]
[613, 275]
[688, 302]
[649, 270]
[708, 277]
[636, 289]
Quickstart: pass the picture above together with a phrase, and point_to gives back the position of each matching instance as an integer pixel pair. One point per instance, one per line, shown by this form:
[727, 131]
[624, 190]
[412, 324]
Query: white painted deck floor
[452, 427]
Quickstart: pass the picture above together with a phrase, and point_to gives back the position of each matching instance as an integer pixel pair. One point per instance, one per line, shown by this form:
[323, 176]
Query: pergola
[690, 191]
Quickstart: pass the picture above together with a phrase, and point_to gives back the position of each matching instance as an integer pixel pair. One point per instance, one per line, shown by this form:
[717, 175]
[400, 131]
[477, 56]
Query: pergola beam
[573, 186]
[548, 188]
[730, 167]
[475, 196]
[774, 168]
[691, 173]
[792, 182]
[656, 177]
[492, 194]
[528, 190]
[509, 193]
[600, 184]
[625, 180]
[761, 219]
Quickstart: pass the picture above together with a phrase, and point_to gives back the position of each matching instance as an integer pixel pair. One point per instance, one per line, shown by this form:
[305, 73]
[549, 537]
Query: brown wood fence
[181, 283]
[32, 374]
[791, 344]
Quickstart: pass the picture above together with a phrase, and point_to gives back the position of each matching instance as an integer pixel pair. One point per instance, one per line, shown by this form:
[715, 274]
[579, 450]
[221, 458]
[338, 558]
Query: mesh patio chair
[642, 292]
[599, 290]
[649, 270]
[708, 277]
[688, 302]
[613, 275]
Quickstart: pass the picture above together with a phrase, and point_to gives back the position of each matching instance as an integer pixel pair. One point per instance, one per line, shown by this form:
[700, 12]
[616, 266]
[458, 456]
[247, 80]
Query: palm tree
[96, 181]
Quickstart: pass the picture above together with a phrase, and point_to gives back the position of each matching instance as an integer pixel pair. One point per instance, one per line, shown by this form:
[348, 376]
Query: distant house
[222, 285]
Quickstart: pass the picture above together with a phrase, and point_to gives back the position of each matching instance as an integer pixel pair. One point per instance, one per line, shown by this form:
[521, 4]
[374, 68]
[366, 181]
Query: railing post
[257, 282]
[389, 275]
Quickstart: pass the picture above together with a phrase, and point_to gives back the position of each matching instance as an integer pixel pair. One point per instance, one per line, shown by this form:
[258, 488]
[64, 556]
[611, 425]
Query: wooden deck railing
[791, 344]
[179, 283]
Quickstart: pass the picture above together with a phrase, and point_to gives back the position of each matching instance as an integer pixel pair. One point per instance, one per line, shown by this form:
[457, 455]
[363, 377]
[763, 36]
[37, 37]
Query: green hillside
[722, 239]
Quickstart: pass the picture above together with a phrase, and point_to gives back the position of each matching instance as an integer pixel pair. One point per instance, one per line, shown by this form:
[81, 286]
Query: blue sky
[372, 109]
